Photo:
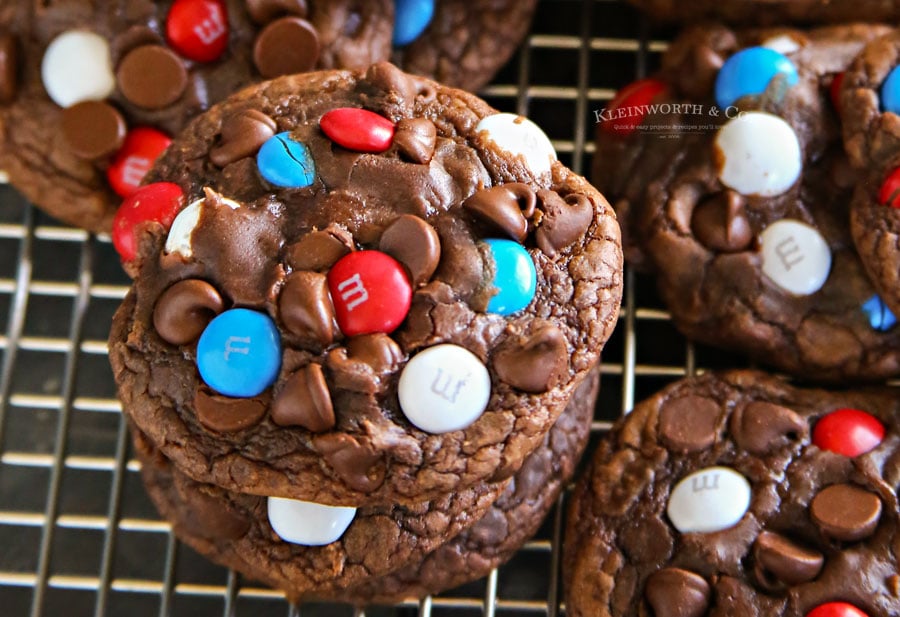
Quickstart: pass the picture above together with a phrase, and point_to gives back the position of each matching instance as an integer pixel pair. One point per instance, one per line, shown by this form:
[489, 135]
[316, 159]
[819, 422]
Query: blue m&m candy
[880, 316]
[239, 353]
[285, 162]
[515, 278]
[749, 72]
[890, 92]
[411, 17]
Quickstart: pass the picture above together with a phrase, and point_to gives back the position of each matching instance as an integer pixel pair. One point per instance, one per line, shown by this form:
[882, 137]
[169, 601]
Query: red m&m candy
[198, 29]
[358, 129]
[370, 292]
[889, 193]
[142, 146]
[628, 107]
[834, 90]
[836, 609]
[850, 432]
[159, 202]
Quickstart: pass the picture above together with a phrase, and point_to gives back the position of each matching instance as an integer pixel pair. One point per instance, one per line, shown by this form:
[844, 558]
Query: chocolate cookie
[464, 43]
[383, 292]
[869, 105]
[738, 494]
[92, 92]
[382, 553]
[728, 173]
[771, 12]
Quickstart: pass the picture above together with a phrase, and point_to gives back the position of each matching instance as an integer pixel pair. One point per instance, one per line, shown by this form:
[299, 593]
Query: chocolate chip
[286, 46]
[414, 243]
[688, 423]
[377, 350]
[535, 364]
[789, 563]
[673, 592]
[242, 134]
[264, 11]
[387, 78]
[305, 307]
[184, 309]
[414, 139]
[507, 207]
[359, 466]
[93, 129]
[846, 512]
[720, 223]
[207, 517]
[9, 68]
[227, 415]
[305, 401]
[317, 251]
[563, 222]
[761, 427]
[132, 37]
[152, 76]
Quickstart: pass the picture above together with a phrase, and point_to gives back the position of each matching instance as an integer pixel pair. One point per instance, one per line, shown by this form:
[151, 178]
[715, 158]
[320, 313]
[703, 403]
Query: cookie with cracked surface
[92, 92]
[736, 493]
[770, 12]
[464, 43]
[391, 298]
[730, 180]
[385, 553]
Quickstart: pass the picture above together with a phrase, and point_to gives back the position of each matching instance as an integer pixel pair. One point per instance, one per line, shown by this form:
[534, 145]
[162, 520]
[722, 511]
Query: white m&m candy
[709, 500]
[795, 256]
[519, 135]
[179, 238]
[77, 67]
[444, 388]
[758, 154]
[308, 523]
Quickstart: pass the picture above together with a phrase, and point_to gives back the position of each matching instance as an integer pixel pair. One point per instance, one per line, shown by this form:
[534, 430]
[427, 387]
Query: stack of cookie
[754, 175]
[360, 352]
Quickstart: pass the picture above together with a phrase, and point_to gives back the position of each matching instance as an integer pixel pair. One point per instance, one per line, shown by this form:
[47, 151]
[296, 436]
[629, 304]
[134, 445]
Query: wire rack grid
[78, 537]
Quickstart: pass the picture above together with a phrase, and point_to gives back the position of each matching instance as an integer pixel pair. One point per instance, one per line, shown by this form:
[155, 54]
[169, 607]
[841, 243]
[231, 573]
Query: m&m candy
[411, 17]
[358, 129]
[198, 29]
[709, 500]
[515, 278]
[836, 609]
[284, 162]
[850, 432]
[159, 202]
[308, 523]
[629, 106]
[142, 146]
[518, 135]
[889, 192]
[749, 72]
[370, 292]
[890, 91]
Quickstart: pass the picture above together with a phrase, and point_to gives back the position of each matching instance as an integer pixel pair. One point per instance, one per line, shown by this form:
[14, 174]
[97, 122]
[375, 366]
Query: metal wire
[77, 535]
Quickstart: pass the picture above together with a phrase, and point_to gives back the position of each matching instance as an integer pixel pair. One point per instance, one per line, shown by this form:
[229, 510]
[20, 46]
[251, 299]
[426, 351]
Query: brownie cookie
[382, 553]
[771, 12]
[91, 92]
[728, 173]
[869, 106]
[460, 43]
[738, 494]
[382, 291]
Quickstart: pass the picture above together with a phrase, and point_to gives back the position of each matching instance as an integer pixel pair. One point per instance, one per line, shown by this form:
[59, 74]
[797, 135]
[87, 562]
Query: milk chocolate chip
[506, 207]
[184, 309]
[305, 307]
[359, 466]
[319, 250]
[414, 139]
[264, 11]
[377, 350]
[788, 563]
[227, 415]
[720, 223]
[673, 592]
[305, 401]
[563, 222]
[688, 423]
[761, 427]
[242, 135]
[93, 129]
[536, 364]
[846, 512]
[285, 46]
[414, 243]
[152, 76]
[9, 68]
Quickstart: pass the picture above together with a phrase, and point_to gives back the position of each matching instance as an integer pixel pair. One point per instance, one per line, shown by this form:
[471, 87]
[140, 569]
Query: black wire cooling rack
[79, 538]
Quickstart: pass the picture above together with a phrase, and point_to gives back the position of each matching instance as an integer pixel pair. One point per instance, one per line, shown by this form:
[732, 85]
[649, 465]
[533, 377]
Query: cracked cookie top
[359, 288]
[738, 494]
[728, 173]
